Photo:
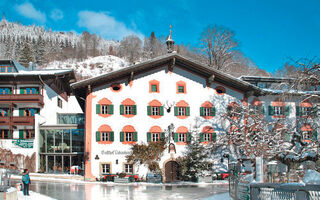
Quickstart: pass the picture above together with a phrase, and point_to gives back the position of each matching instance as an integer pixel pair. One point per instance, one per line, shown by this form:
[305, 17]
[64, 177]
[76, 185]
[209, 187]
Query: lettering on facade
[115, 152]
[23, 143]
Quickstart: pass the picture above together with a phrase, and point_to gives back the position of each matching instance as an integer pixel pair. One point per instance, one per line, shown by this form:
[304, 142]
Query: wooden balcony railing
[14, 121]
[21, 98]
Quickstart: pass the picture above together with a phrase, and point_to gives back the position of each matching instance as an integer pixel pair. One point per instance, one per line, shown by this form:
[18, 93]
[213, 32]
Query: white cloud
[56, 14]
[27, 10]
[103, 24]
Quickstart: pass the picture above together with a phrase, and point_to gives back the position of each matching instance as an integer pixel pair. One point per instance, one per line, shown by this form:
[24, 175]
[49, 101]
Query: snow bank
[311, 177]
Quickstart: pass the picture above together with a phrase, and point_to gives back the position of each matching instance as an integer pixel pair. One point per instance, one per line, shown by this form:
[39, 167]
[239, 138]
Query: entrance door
[171, 171]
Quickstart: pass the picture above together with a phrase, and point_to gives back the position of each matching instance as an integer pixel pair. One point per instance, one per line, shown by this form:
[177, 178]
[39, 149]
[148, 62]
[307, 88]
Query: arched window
[128, 108]
[128, 135]
[155, 109]
[182, 135]
[304, 109]
[207, 135]
[104, 135]
[207, 110]
[182, 110]
[104, 108]
[278, 109]
[155, 134]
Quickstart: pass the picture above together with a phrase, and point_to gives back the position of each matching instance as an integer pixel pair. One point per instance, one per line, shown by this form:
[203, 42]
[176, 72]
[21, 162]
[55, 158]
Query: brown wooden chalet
[14, 90]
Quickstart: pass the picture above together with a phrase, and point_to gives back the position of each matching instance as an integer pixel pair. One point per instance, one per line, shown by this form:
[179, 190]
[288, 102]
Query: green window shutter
[110, 109]
[314, 136]
[21, 134]
[271, 110]
[134, 109]
[214, 137]
[97, 136]
[37, 90]
[162, 136]
[135, 136]
[21, 90]
[175, 137]
[111, 136]
[8, 112]
[298, 111]
[148, 137]
[286, 110]
[213, 111]
[149, 110]
[175, 111]
[262, 110]
[188, 137]
[201, 137]
[9, 134]
[187, 111]
[121, 136]
[201, 111]
[21, 112]
[161, 110]
[121, 109]
[98, 108]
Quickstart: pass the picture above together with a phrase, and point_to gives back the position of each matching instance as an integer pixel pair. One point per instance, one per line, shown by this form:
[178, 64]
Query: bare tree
[219, 45]
[131, 48]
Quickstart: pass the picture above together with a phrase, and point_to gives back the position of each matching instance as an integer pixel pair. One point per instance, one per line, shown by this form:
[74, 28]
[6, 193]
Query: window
[5, 90]
[3, 69]
[26, 134]
[116, 87]
[129, 136]
[155, 111]
[59, 103]
[29, 134]
[154, 88]
[28, 111]
[180, 89]
[307, 135]
[105, 169]
[256, 109]
[104, 109]
[128, 110]
[181, 111]
[278, 110]
[4, 112]
[29, 90]
[181, 137]
[128, 168]
[306, 111]
[220, 90]
[105, 136]
[206, 111]
[155, 137]
[207, 137]
[4, 134]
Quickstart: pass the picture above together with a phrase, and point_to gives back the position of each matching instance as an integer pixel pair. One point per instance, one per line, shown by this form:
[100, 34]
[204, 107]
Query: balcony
[21, 98]
[25, 120]
[15, 121]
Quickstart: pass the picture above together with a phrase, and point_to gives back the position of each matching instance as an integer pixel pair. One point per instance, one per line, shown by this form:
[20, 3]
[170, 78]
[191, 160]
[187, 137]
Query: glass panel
[42, 163]
[66, 141]
[42, 141]
[66, 164]
[77, 140]
[58, 141]
[71, 119]
[51, 167]
[50, 141]
[58, 164]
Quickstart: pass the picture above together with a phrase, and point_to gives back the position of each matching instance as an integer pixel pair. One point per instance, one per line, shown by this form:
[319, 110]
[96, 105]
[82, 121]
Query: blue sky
[270, 32]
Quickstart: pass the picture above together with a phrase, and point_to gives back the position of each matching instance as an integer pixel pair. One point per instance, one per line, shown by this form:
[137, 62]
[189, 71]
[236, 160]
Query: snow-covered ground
[90, 67]
[223, 196]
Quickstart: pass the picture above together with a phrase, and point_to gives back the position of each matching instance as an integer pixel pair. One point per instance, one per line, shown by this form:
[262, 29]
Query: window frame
[182, 137]
[128, 109]
[182, 111]
[129, 135]
[155, 137]
[155, 110]
[128, 168]
[278, 110]
[181, 89]
[4, 132]
[154, 88]
[205, 111]
[104, 168]
[207, 137]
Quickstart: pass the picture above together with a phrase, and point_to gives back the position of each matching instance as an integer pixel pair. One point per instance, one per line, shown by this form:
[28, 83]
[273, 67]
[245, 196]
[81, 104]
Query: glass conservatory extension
[61, 149]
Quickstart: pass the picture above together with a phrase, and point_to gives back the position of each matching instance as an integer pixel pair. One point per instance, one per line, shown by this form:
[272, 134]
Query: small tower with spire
[170, 42]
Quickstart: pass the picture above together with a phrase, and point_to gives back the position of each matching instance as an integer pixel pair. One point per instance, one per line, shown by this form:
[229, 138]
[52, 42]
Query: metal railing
[271, 191]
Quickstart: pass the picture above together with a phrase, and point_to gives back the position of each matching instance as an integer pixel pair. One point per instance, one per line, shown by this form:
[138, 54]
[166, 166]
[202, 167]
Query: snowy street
[79, 191]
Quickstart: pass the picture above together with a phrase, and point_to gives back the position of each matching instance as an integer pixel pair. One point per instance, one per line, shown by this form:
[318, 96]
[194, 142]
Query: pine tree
[26, 55]
[40, 51]
[195, 160]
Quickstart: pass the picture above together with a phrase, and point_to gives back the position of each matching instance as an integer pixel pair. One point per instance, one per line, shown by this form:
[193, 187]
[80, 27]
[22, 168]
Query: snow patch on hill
[90, 67]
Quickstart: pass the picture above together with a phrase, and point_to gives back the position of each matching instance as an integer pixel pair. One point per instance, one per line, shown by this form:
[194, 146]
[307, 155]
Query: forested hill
[90, 54]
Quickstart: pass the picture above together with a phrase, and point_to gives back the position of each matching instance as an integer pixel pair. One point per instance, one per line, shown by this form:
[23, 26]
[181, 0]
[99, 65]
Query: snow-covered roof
[178, 59]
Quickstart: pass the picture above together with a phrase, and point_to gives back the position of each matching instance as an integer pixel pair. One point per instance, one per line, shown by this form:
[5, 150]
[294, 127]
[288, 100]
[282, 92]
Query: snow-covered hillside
[90, 67]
